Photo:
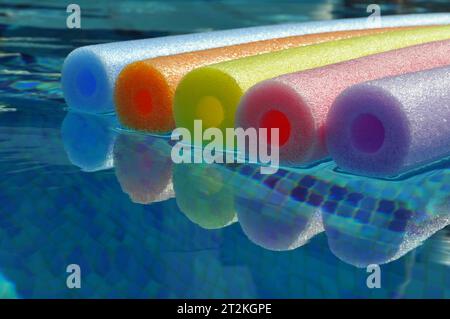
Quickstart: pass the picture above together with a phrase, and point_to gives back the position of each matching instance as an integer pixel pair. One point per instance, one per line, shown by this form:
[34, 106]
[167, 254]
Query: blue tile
[307, 181]
[403, 214]
[299, 193]
[271, 181]
[315, 200]
[329, 207]
[386, 206]
[337, 193]
[397, 226]
[363, 216]
[354, 198]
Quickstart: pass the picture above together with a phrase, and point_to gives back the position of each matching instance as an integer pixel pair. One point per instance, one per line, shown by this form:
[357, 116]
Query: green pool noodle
[212, 93]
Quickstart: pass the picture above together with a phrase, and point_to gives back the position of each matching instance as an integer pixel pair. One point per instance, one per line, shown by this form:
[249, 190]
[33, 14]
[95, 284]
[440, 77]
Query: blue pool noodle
[89, 72]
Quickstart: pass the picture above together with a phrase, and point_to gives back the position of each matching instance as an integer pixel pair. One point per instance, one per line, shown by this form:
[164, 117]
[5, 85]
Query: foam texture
[89, 139]
[388, 126]
[143, 168]
[212, 93]
[89, 73]
[144, 90]
[303, 99]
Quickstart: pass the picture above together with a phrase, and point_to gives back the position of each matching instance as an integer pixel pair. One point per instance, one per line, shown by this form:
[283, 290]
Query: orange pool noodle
[144, 90]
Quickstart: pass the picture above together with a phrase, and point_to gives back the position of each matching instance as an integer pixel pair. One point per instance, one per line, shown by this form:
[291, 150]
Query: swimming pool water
[75, 189]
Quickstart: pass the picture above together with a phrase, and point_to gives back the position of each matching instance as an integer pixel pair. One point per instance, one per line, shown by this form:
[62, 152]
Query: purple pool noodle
[388, 126]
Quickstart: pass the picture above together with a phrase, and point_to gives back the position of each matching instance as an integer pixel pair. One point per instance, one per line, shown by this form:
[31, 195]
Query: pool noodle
[89, 73]
[304, 98]
[212, 93]
[389, 126]
[144, 90]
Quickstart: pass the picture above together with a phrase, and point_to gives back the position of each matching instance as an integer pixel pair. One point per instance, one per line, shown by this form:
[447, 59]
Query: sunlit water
[75, 189]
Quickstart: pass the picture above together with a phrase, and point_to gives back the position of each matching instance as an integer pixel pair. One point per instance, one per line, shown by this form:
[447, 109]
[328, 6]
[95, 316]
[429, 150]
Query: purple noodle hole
[367, 133]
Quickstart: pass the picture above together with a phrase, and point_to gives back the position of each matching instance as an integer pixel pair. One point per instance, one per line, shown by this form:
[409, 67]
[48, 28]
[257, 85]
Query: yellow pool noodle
[212, 93]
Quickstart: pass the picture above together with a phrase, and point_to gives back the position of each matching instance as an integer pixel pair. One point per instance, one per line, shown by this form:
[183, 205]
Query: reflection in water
[277, 228]
[366, 220]
[204, 195]
[89, 140]
[375, 221]
[143, 168]
[268, 215]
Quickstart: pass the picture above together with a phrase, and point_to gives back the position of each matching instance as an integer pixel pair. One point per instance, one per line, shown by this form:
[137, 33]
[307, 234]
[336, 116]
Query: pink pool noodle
[388, 126]
[298, 103]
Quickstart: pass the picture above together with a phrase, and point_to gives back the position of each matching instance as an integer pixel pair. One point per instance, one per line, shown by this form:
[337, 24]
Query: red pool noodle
[298, 103]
